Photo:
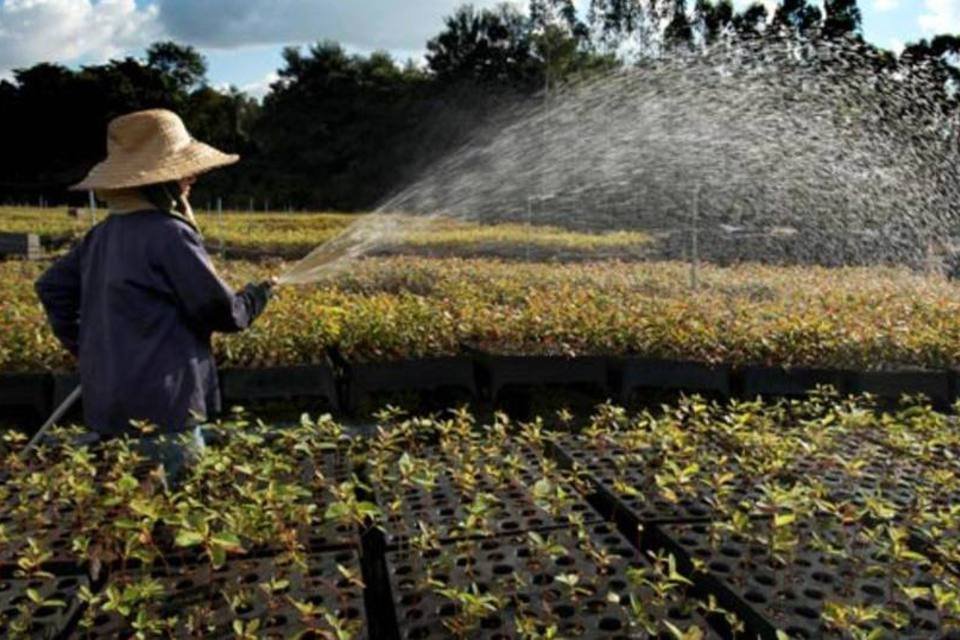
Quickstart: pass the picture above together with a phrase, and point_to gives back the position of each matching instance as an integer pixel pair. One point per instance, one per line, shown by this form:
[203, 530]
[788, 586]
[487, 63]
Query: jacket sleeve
[205, 299]
[59, 291]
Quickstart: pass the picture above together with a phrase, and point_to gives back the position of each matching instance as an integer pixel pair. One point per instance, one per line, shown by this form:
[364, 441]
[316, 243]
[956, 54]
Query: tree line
[341, 131]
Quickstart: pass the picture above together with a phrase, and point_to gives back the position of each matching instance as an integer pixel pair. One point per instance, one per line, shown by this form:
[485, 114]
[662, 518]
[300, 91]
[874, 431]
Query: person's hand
[260, 293]
[270, 286]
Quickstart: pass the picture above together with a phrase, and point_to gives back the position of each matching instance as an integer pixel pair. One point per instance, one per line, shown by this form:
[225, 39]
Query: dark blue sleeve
[206, 300]
[59, 292]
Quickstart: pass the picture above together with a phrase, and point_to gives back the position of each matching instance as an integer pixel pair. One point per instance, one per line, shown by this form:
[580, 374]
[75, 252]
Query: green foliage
[408, 307]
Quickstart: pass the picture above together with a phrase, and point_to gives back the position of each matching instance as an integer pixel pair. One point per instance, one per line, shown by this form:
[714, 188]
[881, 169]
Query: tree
[842, 18]
[58, 145]
[488, 46]
[750, 21]
[339, 130]
[559, 14]
[711, 20]
[615, 20]
[561, 43]
[936, 58]
[797, 17]
[182, 64]
[679, 31]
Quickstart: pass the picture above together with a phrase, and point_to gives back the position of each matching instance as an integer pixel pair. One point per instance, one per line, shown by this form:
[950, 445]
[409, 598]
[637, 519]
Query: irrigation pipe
[52, 420]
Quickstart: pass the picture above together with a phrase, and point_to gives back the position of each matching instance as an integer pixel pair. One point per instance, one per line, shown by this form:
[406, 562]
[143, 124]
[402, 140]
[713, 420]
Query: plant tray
[671, 375]
[25, 245]
[899, 480]
[643, 503]
[28, 390]
[410, 375]
[56, 530]
[792, 596]
[63, 386]
[512, 508]
[202, 596]
[524, 578]
[238, 386]
[624, 483]
[799, 381]
[935, 385]
[42, 621]
[502, 371]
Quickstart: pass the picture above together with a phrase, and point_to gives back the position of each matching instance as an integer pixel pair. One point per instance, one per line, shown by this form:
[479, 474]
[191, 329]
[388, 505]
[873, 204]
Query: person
[138, 299]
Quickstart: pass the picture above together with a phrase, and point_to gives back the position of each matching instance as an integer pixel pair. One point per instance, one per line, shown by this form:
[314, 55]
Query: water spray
[819, 137]
[814, 150]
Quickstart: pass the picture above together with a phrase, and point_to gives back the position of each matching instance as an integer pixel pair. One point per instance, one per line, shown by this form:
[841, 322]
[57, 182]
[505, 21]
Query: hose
[54, 418]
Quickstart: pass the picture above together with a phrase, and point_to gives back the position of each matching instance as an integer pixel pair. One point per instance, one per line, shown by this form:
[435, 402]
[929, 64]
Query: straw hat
[148, 147]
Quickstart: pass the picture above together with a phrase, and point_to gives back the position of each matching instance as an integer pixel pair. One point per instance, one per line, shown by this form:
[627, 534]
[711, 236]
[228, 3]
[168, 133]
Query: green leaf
[187, 538]
[337, 511]
[784, 519]
[218, 556]
[227, 540]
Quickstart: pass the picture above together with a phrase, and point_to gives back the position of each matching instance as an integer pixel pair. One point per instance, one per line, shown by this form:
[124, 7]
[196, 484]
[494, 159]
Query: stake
[223, 249]
[529, 233]
[93, 208]
[694, 239]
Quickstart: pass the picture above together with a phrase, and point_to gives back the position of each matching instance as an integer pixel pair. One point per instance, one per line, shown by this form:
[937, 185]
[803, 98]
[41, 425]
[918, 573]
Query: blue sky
[242, 39]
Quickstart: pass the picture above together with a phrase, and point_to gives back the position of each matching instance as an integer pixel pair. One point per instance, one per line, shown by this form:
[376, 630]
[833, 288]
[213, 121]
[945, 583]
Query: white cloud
[90, 31]
[32, 31]
[365, 24]
[940, 16]
[261, 87]
[886, 5]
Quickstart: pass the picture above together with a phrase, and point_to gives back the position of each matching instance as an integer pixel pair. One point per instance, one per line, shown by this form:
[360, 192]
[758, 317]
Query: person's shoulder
[167, 223]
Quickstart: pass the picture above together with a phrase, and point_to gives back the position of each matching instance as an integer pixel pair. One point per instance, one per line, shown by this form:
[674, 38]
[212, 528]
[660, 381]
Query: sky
[242, 39]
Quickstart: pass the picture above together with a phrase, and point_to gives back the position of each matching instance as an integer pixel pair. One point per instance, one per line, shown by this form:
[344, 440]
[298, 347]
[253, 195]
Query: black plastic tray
[502, 371]
[512, 507]
[671, 375]
[203, 592]
[792, 382]
[527, 582]
[238, 386]
[46, 621]
[428, 374]
[791, 597]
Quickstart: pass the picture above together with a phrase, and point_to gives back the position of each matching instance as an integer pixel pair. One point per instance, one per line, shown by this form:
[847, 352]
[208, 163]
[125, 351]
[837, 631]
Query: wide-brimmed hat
[148, 147]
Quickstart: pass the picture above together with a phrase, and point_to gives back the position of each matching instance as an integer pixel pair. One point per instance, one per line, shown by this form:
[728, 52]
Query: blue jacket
[137, 301]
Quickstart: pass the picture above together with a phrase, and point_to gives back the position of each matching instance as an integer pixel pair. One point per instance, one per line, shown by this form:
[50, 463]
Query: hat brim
[127, 172]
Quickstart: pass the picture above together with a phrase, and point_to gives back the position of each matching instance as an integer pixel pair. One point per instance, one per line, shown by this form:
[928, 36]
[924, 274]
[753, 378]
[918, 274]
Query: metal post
[529, 227]
[93, 207]
[223, 249]
[695, 239]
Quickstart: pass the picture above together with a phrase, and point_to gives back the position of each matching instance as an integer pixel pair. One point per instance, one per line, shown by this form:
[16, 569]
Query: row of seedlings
[486, 537]
[800, 516]
[259, 538]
